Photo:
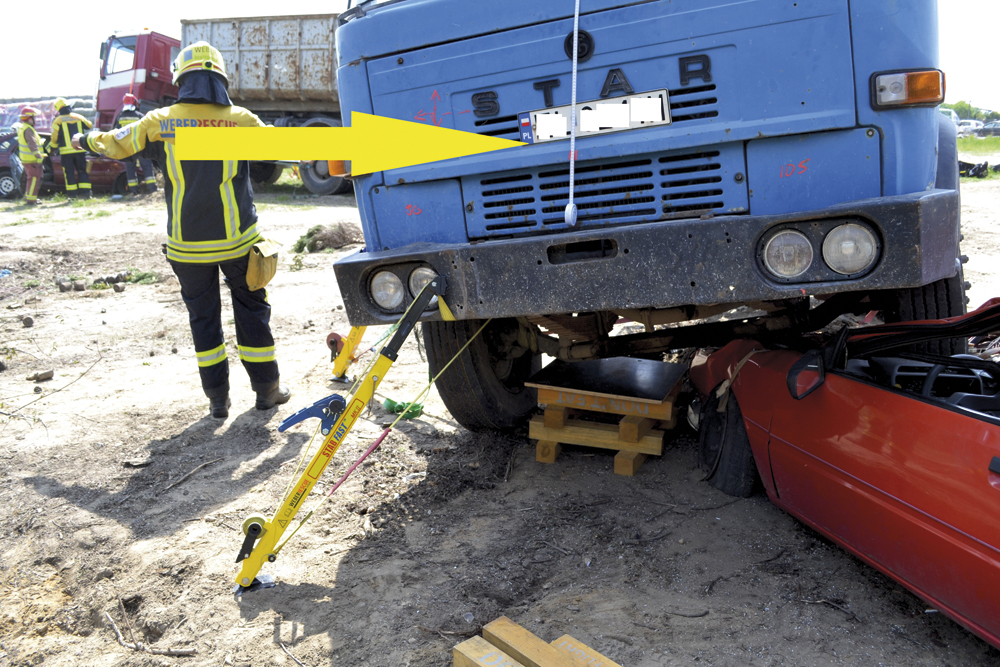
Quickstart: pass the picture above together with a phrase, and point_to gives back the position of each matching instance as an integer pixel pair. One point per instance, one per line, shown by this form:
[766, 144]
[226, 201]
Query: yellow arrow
[372, 143]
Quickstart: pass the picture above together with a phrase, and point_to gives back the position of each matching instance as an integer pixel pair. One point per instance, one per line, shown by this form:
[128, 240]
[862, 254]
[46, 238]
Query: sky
[69, 49]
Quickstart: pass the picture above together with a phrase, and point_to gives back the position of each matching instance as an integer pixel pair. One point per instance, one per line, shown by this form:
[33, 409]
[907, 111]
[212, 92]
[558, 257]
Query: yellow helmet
[60, 103]
[200, 56]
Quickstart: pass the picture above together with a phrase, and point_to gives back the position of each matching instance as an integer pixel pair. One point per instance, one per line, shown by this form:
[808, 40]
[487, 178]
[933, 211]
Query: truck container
[782, 162]
[282, 68]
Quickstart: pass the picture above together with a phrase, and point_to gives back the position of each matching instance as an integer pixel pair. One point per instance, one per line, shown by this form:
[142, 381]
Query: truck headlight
[788, 254]
[420, 277]
[387, 290]
[849, 249]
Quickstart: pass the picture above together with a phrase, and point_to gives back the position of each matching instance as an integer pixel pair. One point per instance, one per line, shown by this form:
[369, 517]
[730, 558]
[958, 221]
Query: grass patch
[144, 277]
[32, 283]
[979, 146]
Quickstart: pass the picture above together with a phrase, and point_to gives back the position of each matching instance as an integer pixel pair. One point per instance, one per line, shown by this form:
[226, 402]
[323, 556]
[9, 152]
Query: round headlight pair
[387, 288]
[847, 249]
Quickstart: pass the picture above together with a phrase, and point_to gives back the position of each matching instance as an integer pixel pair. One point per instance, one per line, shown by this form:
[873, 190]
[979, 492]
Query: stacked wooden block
[506, 644]
[642, 392]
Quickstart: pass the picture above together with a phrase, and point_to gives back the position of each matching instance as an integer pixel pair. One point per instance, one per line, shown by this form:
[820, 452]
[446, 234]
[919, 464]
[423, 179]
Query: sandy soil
[96, 516]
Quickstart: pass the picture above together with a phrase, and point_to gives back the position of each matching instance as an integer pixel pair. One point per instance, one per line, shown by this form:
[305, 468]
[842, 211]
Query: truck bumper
[659, 264]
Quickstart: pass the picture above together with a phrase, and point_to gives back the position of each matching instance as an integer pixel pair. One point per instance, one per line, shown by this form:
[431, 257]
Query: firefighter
[74, 161]
[129, 115]
[29, 150]
[211, 225]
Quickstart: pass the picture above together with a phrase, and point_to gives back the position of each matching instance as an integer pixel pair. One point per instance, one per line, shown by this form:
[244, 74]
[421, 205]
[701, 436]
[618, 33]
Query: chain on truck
[282, 68]
[784, 158]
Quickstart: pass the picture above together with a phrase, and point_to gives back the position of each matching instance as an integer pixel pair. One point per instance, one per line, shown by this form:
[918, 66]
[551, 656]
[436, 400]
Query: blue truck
[780, 157]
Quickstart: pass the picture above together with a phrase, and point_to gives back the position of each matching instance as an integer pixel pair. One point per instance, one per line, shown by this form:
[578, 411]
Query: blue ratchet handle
[327, 410]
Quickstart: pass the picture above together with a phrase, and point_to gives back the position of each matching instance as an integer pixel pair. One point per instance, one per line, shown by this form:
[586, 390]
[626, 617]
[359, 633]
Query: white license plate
[596, 117]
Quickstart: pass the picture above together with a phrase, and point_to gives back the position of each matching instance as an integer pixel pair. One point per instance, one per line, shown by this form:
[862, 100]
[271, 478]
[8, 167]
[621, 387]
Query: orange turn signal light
[918, 88]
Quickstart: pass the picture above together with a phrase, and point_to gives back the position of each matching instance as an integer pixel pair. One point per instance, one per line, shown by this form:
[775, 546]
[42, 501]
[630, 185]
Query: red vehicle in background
[137, 64]
[106, 175]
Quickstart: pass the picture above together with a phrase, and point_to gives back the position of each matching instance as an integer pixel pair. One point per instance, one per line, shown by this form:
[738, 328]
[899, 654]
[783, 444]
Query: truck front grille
[686, 105]
[642, 188]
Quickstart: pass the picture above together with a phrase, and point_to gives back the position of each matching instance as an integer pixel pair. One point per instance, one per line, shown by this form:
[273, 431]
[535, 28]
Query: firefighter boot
[271, 394]
[219, 406]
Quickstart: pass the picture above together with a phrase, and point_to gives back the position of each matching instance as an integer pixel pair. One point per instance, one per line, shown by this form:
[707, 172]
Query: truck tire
[946, 297]
[724, 448]
[482, 389]
[265, 172]
[316, 175]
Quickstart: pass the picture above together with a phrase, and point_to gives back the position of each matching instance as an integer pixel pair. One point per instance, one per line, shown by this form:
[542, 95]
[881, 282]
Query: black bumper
[657, 264]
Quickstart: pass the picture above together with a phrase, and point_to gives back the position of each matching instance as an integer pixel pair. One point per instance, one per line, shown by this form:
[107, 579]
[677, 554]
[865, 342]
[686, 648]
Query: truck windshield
[121, 57]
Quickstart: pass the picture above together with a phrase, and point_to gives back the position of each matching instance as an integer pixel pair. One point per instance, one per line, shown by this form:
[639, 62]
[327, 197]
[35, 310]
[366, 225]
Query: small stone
[155, 628]
[65, 287]
[547, 585]
[38, 389]
[572, 607]
[228, 660]
[79, 285]
[27, 322]
[411, 640]
[118, 287]
[3, 366]
[137, 462]
[468, 617]
[680, 541]
[104, 310]
[106, 573]
[173, 350]
[104, 321]
[526, 562]
[41, 375]
[339, 307]
[152, 353]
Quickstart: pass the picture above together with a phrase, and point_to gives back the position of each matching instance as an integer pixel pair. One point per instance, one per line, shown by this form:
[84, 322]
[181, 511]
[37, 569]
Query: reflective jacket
[28, 143]
[127, 117]
[64, 126]
[210, 213]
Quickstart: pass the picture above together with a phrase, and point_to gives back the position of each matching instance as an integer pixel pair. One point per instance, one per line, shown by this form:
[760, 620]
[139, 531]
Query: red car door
[904, 483]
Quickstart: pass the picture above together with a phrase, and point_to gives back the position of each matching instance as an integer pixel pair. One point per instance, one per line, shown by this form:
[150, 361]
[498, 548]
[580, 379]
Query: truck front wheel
[484, 387]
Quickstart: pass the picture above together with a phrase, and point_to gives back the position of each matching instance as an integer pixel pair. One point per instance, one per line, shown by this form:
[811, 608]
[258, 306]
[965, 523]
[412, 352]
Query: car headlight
[788, 254]
[420, 277]
[849, 249]
[387, 290]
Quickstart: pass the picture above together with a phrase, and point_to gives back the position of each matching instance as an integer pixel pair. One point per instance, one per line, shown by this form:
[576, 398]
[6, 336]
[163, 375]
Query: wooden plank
[556, 416]
[618, 377]
[547, 451]
[590, 434]
[477, 652]
[632, 427]
[526, 648]
[628, 463]
[583, 653]
[614, 404]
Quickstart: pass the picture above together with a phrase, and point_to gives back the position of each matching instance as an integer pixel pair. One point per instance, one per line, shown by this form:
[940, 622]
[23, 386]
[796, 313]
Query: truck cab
[782, 158]
[137, 64]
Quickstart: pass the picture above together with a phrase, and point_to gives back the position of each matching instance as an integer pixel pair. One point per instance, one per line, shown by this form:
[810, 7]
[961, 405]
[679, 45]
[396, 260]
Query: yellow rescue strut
[337, 419]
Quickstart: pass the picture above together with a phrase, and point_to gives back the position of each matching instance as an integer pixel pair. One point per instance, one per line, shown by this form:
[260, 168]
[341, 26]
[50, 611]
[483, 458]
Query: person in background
[29, 150]
[130, 114]
[211, 225]
[74, 161]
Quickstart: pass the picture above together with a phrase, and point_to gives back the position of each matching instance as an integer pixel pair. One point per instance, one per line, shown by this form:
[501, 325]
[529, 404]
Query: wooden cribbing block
[628, 463]
[583, 654]
[477, 652]
[590, 434]
[525, 647]
[633, 427]
[547, 451]
[556, 416]
[618, 405]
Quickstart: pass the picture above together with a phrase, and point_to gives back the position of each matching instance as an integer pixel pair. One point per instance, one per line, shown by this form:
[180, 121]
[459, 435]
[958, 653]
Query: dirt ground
[445, 530]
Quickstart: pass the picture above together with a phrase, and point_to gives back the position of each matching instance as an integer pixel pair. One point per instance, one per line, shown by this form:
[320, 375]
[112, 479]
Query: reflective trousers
[33, 176]
[148, 175]
[200, 290]
[75, 169]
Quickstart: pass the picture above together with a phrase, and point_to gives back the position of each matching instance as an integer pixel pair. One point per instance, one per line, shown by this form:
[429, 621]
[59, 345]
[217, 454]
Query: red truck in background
[282, 68]
[137, 64]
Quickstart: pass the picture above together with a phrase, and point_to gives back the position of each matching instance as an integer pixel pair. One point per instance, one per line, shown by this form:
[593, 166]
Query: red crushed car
[892, 454]
[106, 175]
